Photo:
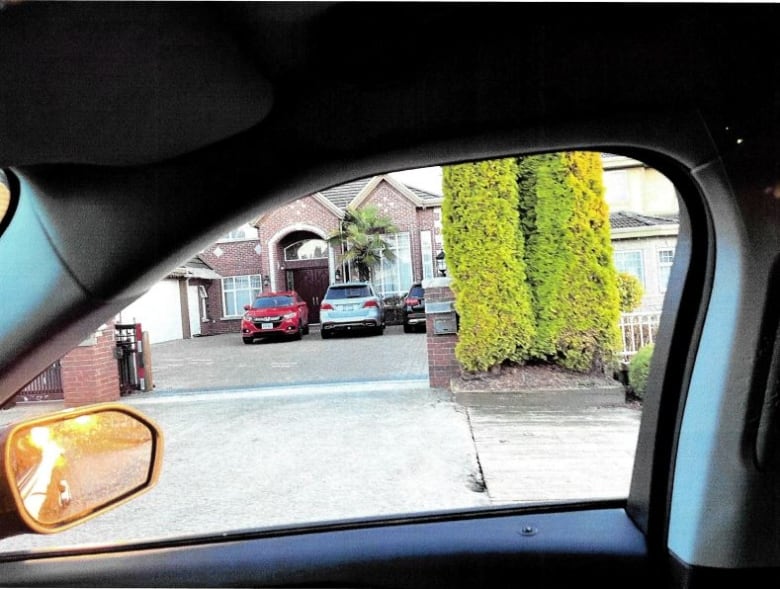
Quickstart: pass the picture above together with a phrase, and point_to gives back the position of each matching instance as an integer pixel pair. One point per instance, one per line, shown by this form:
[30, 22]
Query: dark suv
[414, 309]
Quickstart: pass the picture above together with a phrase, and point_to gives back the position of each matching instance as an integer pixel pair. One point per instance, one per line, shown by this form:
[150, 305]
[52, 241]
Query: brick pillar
[442, 365]
[90, 373]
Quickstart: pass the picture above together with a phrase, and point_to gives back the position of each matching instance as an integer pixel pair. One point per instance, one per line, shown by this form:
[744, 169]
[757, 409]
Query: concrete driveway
[292, 432]
[224, 362]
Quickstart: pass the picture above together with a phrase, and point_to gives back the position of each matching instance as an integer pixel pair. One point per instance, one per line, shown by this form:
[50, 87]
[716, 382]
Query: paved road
[224, 362]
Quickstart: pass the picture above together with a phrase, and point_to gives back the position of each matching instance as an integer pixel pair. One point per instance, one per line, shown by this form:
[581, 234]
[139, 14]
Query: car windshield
[271, 302]
[348, 292]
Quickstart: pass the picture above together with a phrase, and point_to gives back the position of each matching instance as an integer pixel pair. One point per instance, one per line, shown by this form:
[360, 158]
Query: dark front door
[311, 284]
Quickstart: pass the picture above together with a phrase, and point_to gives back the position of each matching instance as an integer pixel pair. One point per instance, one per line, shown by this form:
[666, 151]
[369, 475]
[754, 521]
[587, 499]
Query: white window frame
[619, 268]
[395, 266]
[664, 267]
[239, 299]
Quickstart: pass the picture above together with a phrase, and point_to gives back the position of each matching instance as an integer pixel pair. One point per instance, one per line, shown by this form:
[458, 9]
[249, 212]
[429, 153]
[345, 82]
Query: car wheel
[407, 328]
[306, 329]
[326, 334]
[248, 340]
[299, 333]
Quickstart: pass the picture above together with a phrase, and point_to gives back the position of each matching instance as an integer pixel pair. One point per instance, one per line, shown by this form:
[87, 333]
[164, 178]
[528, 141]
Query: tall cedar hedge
[485, 257]
[569, 259]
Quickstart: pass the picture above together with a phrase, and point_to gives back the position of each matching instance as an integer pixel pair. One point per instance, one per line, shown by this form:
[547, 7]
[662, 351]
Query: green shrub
[631, 291]
[638, 369]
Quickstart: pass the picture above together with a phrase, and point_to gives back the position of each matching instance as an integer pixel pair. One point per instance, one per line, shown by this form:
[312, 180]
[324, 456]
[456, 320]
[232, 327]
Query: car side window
[521, 380]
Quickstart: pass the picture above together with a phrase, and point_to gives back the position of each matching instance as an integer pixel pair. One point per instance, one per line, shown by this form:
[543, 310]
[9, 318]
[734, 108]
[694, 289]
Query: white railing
[637, 330]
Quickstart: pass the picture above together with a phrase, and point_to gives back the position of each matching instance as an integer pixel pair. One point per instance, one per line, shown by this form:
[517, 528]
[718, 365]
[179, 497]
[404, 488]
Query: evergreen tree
[569, 259]
[485, 258]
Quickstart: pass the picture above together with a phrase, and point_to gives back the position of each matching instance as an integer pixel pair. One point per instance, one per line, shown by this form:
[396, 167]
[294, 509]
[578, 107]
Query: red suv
[275, 313]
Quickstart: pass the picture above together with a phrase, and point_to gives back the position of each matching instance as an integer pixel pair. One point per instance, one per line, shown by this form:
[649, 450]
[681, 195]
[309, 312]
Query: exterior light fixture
[441, 263]
[338, 275]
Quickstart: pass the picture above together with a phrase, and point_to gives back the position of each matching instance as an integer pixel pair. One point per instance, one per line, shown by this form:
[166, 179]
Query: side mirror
[247, 307]
[64, 468]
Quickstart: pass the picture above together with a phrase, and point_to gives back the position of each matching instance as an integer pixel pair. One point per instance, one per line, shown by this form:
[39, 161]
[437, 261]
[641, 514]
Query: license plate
[266, 326]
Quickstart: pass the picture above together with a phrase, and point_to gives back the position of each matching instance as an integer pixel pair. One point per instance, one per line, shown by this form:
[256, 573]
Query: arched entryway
[304, 265]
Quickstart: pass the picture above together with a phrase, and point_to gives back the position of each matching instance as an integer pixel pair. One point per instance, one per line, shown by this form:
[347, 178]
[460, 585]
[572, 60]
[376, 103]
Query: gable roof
[352, 193]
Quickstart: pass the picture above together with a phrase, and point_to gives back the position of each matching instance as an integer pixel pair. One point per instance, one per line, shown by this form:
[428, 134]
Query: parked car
[414, 309]
[135, 133]
[352, 306]
[282, 313]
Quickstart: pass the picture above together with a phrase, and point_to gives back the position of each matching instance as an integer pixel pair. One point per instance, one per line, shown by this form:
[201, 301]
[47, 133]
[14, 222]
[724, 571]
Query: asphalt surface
[358, 434]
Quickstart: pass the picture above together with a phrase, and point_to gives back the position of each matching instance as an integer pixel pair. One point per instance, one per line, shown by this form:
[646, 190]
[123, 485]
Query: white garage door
[159, 312]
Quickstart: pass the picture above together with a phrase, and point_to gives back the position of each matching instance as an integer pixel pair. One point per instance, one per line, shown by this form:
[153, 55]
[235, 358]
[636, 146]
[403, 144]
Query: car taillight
[412, 302]
[326, 307]
[370, 304]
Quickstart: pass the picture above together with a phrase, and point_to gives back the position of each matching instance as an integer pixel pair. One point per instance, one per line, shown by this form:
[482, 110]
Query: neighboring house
[286, 249]
[644, 215]
[644, 246]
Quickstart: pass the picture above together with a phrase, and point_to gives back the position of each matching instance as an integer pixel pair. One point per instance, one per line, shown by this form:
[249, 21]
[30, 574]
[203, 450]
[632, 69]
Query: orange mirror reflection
[67, 469]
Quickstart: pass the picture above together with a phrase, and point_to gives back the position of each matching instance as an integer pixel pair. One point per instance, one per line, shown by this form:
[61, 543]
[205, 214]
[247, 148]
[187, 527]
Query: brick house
[286, 249]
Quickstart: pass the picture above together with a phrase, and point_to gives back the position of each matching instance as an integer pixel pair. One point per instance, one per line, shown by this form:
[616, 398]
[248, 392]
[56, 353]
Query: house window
[307, 249]
[238, 291]
[617, 192]
[394, 278]
[665, 260]
[426, 253]
[631, 263]
[246, 231]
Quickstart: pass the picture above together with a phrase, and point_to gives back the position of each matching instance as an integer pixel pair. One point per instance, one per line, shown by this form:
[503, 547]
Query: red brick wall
[442, 365]
[307, 214]
[90, 373]
[407, 217]
[228, 258]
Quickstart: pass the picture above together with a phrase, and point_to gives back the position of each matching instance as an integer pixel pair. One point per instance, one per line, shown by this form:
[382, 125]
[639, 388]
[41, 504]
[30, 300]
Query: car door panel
[597, 546]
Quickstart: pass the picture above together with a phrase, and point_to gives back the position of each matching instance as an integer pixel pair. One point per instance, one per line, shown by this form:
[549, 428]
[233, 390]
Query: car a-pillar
[441, 325]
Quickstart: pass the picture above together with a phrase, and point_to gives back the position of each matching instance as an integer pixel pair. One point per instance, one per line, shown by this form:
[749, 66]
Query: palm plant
[361, 235]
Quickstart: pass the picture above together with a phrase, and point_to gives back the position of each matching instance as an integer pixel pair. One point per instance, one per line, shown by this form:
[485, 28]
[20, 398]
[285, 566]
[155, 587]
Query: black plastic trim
[595, 547]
